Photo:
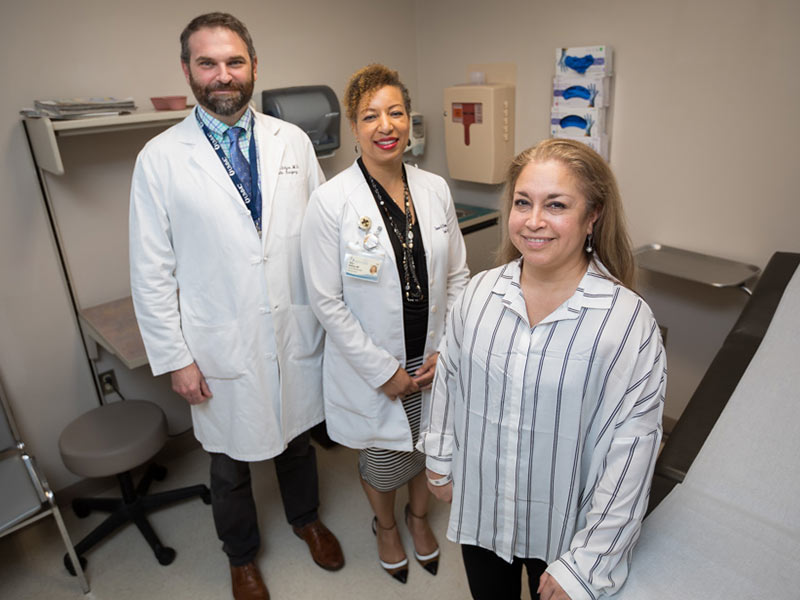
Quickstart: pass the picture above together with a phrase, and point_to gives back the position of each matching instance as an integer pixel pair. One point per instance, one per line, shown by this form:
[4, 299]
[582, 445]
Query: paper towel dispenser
[313, 108]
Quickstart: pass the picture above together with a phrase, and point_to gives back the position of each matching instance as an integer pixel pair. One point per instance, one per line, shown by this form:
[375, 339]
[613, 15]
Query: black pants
[492, 578]
[232, 497]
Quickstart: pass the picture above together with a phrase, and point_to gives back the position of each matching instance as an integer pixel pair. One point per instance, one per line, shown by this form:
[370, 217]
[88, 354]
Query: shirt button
[430, 334]
[263, 310]
[433, 308]
[269, 356]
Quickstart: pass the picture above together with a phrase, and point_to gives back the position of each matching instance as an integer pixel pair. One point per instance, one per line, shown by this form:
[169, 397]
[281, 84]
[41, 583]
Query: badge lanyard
[255, 199]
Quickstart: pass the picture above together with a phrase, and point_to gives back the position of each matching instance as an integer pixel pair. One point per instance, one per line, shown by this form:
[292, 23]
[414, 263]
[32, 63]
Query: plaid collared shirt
[218, 129]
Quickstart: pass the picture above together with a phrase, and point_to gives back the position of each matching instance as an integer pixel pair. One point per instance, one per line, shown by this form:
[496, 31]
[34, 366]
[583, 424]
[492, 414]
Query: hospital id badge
[363, 266]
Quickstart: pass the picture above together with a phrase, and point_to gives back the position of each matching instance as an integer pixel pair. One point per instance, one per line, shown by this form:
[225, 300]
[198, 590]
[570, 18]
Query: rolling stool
[110, 440]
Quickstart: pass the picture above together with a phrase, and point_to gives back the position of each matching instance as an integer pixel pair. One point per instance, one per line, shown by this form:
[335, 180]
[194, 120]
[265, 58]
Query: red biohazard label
[467, 113]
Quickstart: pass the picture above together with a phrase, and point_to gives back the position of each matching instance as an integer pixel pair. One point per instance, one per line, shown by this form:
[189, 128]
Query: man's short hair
[210, 21]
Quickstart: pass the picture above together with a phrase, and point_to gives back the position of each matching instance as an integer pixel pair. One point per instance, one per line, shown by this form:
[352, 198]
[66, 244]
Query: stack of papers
[78, 108]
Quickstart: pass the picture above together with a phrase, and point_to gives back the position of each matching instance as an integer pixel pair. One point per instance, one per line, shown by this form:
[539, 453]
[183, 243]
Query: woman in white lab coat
[384, 259]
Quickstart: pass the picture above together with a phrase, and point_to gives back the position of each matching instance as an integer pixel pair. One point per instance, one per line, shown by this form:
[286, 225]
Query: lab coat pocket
[217, 349]
[346, 391]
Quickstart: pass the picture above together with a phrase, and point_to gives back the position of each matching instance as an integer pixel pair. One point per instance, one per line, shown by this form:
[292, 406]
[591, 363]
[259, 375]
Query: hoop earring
[588, 247]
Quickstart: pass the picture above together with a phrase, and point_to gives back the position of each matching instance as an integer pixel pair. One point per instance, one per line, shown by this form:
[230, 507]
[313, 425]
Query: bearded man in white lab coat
[216, 207]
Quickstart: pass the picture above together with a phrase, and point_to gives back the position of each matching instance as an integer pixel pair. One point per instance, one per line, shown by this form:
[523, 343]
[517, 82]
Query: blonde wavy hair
[610, 240]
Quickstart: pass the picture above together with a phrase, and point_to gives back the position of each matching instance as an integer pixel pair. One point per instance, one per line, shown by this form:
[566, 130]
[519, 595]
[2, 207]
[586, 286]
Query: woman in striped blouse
[545, 419]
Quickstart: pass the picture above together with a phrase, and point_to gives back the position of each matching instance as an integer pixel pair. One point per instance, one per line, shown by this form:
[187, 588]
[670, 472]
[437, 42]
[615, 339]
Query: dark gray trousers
[232, 501]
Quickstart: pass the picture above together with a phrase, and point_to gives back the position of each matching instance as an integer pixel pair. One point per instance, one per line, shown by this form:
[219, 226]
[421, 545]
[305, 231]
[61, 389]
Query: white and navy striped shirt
[551, 432]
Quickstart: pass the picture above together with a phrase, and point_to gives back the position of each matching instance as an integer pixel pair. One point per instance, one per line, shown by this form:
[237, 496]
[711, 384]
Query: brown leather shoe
[247, 583]
[324, 547]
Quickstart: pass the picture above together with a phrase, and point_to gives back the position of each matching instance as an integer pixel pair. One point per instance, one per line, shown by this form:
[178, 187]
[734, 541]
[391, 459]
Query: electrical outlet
[108, 382]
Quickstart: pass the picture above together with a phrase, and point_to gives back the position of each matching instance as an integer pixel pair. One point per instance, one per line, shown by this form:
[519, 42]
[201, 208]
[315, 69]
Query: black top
[415, 314]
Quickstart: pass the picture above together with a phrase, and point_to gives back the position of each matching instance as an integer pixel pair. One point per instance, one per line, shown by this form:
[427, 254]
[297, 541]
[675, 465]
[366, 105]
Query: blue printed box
[580, 92]
[584, 61]
[577, 122]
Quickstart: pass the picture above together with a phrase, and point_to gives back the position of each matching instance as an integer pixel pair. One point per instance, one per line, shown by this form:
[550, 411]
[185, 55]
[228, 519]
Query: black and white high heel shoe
[398, 570]
[429, 562]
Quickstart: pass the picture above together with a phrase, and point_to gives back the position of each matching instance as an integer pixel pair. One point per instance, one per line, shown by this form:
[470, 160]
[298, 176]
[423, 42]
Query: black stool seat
[113, 439]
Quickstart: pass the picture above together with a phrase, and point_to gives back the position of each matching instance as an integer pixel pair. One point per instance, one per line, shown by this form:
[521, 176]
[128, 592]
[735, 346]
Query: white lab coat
[363, 320]
[242, 312]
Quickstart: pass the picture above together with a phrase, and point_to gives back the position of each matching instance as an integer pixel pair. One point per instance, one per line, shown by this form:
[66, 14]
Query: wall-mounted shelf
[113, 326]
[43, 132]
[694, 266]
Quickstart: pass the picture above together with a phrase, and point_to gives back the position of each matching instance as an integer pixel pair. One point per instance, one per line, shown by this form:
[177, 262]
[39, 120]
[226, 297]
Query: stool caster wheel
[165, 555]
[206, 496]
[81, 509]
[159, 472]
[70, 568]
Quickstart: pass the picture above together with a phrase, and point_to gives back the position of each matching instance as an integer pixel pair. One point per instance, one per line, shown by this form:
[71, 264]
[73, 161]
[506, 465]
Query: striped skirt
[387, 470]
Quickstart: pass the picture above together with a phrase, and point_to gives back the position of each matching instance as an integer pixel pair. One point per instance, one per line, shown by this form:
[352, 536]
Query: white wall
[703, 130]
[703, 135]
[115, 48]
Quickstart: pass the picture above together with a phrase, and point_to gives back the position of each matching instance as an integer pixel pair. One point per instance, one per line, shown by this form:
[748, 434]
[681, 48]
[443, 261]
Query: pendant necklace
[412, 287]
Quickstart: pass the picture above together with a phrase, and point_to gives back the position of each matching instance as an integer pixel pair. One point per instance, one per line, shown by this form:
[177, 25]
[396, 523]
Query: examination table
[725, 515]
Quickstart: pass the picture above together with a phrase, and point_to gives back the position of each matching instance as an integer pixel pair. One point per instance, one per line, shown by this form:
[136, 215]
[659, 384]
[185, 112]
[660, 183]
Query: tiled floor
[123, 567]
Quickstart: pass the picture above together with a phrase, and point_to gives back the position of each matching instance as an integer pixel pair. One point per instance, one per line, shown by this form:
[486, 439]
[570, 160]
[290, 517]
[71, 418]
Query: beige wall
[84, 48]
[703, 136]
[699, 86]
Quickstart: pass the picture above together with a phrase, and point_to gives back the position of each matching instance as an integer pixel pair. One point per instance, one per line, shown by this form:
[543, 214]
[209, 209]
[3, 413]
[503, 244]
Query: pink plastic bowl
[169, 102]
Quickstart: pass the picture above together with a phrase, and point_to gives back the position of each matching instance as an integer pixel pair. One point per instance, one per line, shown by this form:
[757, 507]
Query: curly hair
[612, 245]
[368, 80]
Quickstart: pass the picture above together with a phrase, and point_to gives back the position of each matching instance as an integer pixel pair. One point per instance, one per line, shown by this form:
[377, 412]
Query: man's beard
[223, 105]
